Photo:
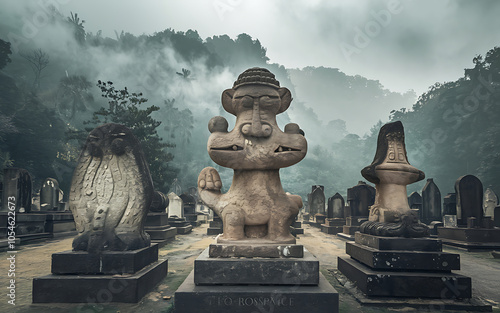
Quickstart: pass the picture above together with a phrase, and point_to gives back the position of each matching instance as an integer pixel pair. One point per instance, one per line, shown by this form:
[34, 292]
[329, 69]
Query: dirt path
[34, 260]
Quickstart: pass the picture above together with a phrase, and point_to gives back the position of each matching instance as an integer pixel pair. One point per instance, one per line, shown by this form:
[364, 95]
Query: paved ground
[34, 260]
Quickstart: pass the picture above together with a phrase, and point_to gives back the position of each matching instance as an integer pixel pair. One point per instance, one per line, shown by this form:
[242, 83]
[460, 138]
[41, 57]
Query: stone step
[191, 298]
[398, 243]
[403, 260]
[405, 284]
[256, 271]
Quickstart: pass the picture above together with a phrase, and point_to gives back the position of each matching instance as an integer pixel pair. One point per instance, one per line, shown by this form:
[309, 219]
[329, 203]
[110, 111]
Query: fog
[349, 64]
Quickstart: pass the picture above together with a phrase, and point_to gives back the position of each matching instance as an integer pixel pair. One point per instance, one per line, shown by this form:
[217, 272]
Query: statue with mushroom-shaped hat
[390, 171]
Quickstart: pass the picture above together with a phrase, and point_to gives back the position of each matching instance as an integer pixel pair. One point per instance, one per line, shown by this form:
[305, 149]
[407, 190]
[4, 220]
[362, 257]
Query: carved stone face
[256, 142]
[110, 138]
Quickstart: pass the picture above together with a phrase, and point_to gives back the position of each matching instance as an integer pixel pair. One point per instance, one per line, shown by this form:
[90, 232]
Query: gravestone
[110, 196]
[189, 202]
[391, 256]
[496, 213]
[359, 200]
[175, 206]
[17, 197]
[469, 190]
[255, 260]
[335, 220]
[336, 206]
[450, 204]
[49, 195]
[17, 190]
[475, 232]
[159, 202]
[431, 202]
[317, 205]
[490, 201]
[156, 224]
[415, 203]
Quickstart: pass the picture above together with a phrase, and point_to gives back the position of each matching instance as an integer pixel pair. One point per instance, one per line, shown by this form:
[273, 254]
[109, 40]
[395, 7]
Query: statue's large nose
[256, 128]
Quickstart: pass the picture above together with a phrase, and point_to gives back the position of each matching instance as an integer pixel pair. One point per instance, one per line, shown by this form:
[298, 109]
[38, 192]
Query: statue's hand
[209, 179]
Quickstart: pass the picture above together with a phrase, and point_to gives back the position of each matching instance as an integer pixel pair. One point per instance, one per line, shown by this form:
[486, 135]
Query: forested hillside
[63, 81]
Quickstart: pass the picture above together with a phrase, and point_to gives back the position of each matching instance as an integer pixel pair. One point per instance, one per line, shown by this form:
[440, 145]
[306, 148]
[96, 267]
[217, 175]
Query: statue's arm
[209, 186]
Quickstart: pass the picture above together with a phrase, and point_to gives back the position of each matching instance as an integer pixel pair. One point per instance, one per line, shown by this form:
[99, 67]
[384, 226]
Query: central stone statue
[256, 208]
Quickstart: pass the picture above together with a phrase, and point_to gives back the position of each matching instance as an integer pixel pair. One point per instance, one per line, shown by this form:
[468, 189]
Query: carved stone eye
[218, 124]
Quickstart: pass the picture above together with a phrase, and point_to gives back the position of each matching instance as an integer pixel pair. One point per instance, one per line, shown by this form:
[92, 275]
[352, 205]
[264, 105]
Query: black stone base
[190, 298]
[59, 222]
[331, 230]
[161, 233]
[212, 231]
[296, 224]
[183, 230]
[472, 246]
[314, 224]
[98, 288]
[195, 223]
[403, 260]
[156, 219]
[399, 243]
[350, 230]
[472, 239]
[255, 271]
[252, 250]
[345, 236]
[30, 223]
[296, 231]
[405, 284]
[420, 304]
[108, 262]
[28, 238]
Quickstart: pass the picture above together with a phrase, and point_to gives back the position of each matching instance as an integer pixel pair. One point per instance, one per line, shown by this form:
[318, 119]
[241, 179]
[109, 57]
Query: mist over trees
[177, 79]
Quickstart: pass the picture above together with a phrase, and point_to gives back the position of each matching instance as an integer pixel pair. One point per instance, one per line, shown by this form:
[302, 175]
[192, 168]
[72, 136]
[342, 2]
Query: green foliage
[73, 95]
[124, 108]
[453, 129]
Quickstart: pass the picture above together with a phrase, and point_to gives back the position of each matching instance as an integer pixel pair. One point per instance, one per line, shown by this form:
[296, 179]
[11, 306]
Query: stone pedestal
[60, 224]
[472, 239]
[278, 285]
[352, 226]
[158, 228]
[318, 220]
[112, 276]
[215, 226]
[183, 226]
[31, 226]
[333, 226]
[192, 219]
[403, 267]
[296, 228]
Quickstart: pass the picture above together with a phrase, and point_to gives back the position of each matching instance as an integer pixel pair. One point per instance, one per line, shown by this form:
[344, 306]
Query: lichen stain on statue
[390, 171]
[255, 208]
[111, 192]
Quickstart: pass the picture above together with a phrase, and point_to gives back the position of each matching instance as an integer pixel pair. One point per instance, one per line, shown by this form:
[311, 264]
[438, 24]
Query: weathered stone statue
[111, 192]
[256, 208]
[390, 171]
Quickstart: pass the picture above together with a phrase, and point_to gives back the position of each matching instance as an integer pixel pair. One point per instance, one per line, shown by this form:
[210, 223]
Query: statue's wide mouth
[285, 149]
[228, 148]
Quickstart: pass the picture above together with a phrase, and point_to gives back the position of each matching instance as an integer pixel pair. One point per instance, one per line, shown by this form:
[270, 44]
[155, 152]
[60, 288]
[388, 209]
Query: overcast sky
[404, 44]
